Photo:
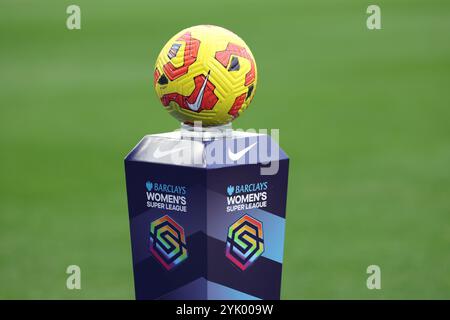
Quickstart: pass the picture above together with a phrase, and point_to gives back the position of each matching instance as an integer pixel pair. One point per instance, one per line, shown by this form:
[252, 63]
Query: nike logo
[236, 156]
[196, 105]
[163, 153]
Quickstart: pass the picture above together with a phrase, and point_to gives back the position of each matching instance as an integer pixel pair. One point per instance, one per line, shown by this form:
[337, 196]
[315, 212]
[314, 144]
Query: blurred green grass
[364, 116]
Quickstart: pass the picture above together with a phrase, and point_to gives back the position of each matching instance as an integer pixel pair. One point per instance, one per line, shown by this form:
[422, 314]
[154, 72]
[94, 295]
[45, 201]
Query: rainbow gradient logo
[168, 242]
[245, 242]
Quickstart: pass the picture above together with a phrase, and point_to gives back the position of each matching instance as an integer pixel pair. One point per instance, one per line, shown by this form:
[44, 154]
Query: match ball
[205, 73]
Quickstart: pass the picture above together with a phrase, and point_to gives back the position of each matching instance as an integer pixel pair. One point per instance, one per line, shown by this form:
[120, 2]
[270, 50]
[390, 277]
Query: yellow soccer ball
[205, 73]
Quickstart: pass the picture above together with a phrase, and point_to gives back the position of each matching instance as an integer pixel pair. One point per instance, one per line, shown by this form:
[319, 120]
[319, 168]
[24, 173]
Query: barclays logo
[149, 185]
[165, 188]
[230, 190]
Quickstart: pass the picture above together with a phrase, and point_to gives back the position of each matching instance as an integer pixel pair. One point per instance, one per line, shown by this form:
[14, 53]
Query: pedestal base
[205, 223]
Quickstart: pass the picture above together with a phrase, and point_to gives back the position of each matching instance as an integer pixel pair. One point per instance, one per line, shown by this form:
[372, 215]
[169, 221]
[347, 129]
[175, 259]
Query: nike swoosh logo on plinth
[198, 102]
[236, 156]
[163, 153]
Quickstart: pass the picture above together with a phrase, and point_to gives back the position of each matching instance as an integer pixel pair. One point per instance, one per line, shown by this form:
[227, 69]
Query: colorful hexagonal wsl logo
[168, 242]
[245, 242]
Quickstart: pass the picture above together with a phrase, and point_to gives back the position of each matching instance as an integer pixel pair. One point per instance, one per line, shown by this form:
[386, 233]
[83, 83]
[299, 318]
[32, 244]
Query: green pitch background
[364, 116]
